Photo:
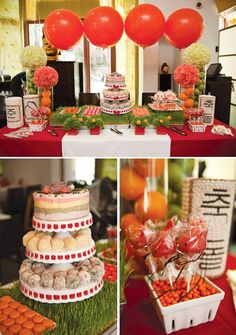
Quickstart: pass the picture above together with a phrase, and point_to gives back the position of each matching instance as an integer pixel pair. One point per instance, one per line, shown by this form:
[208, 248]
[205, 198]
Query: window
[100, 67]
[97, 62]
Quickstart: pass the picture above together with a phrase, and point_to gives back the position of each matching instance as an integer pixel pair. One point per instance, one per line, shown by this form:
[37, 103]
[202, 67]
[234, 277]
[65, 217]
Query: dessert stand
[61, 261]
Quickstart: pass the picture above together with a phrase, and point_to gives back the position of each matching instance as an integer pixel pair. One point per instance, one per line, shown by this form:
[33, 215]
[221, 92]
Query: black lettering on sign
[216, 203]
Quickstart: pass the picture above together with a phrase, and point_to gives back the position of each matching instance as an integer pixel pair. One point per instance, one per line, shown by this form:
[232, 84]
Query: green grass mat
[89, 317]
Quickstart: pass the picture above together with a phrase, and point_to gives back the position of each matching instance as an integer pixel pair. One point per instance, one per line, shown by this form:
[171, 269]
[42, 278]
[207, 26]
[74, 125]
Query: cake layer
[116, 94]
[115, 80]
[60, 207]
[57, 226]
[116, 107]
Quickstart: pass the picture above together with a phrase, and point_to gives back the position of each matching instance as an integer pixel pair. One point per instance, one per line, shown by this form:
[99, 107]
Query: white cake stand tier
[62, 226]
[64, 296]
[61, 257]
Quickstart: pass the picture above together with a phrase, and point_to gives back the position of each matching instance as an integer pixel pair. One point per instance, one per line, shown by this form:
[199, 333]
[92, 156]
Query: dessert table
[138, 316]
[109, 144]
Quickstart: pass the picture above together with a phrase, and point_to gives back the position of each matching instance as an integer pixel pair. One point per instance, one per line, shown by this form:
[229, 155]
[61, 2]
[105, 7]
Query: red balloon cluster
[144, 25]
[103, 27]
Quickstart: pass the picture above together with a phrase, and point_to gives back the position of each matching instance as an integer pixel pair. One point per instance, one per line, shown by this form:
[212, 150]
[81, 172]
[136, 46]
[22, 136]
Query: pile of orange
[147, 204]
[187, 97]
[172, 295]
[18, 319]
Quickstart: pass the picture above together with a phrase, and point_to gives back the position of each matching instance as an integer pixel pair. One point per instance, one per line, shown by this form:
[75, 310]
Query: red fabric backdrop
[139, 318]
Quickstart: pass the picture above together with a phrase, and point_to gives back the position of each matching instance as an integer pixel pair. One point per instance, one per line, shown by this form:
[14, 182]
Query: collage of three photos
[117, 167]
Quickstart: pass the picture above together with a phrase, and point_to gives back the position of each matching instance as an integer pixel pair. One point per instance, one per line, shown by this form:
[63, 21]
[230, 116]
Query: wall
[10, 36]
[32, 171]
[162, 52]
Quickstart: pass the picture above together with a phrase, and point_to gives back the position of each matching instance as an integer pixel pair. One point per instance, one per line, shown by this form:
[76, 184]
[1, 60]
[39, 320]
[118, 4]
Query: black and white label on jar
[13, 113]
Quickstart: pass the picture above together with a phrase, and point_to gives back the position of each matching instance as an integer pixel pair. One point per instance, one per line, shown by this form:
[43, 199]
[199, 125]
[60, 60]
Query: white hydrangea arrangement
[197, 54]
[33, 57]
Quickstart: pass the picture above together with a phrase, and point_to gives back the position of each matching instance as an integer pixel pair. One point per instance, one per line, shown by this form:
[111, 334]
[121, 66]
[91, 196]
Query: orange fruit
[128, 219]
[188, 91]
[149, 167]
[132, 185]
[15, 329]
[46, 93]
[152, 205]
[189, 103]
[183, 96]
[46, 101]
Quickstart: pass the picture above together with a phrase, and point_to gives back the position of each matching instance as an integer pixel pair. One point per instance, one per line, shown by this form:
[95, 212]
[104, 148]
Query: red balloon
[63, 28]
[103, 26]
[145, 24]
[184, 27]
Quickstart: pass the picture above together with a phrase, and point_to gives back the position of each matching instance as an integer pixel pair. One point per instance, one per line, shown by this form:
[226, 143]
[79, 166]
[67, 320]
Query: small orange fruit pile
[172, 295]
[18, 319]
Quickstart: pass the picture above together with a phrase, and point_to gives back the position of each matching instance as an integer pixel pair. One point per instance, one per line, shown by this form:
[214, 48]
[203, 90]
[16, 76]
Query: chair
[11, 237]
[89, 99]
[16, 199]
[146, 98]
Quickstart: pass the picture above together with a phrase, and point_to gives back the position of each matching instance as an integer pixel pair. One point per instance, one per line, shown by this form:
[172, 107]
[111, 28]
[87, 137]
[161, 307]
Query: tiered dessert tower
[60, 267]
[116, 96]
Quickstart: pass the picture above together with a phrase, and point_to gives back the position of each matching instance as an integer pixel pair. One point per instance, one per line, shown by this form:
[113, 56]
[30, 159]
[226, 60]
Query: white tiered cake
[116, 96]
[60, 267]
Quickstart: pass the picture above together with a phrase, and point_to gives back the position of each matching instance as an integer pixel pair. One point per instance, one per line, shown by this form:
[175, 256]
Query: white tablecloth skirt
[109, 144]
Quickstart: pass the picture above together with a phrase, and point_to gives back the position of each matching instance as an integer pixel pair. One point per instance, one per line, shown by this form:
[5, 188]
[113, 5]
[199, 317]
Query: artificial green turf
[88, 317]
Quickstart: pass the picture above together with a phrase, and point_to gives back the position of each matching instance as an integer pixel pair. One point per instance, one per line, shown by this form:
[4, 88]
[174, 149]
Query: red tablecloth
[194, 145]
[41, 144]
[138, 318]
[202, 144]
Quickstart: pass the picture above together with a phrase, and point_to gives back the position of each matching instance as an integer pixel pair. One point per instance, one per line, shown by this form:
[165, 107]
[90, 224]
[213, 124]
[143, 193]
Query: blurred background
[19, 178]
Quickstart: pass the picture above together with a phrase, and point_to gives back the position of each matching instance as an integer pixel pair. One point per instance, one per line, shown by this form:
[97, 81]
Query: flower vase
[139, 130]
[73, 131]
[31, 88]
[95, 131]
[200, 85]
[46, 99]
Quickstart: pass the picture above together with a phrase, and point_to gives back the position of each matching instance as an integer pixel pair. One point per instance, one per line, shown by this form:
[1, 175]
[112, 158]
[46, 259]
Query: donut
[47, 279]
[33, 244]
[26, 274]
[44, 244]
[96, 273]
[72, 281]
[27, 262]
[95, 261]
[83, 241]
[84, 277]
[72, 272]
[27, 237]
[60, 274]
[38, 268]
[59, 283]
[85, 232]
[70, 243]
[34, 280]
[57, 244]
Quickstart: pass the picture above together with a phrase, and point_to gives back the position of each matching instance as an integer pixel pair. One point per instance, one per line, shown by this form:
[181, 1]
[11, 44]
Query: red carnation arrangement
[45, 77]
